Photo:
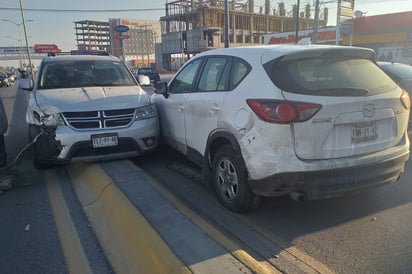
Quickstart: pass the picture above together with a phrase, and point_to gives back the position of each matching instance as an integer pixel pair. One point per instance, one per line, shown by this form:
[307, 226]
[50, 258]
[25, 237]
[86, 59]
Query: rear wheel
[230, 181]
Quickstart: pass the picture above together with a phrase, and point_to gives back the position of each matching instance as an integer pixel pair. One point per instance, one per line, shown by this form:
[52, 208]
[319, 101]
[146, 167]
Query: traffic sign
[121, 28]
[123, 36]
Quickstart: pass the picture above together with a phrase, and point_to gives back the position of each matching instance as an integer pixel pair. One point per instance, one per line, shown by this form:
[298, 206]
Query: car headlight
[52, 120]
[145, 112]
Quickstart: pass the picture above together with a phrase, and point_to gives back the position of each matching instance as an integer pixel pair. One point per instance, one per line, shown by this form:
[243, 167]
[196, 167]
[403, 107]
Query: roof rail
[80, 52]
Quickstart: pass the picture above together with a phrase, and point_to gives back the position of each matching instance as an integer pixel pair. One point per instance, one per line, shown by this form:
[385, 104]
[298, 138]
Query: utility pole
[297, 22]
[226, 24]
[316, 23]
[27, 41]
[338, 23]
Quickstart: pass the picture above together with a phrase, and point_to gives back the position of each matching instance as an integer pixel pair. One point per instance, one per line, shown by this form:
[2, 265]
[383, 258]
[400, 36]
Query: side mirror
[26, 84]
[161, 88]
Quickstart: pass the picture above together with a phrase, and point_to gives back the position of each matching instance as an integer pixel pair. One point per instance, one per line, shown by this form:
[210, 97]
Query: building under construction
[190, 27]
[92, 35]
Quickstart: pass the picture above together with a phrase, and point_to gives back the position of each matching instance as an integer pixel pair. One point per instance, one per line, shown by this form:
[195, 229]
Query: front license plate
[364, 132]
[104, 140]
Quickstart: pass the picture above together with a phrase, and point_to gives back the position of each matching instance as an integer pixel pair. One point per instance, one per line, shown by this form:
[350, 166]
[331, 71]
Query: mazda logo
[369, 110]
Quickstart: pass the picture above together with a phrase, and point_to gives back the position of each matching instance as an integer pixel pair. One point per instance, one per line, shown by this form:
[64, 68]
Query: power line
[84, 10]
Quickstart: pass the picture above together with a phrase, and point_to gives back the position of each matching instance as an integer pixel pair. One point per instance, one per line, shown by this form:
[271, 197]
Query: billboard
[325, 36]
[46, 48]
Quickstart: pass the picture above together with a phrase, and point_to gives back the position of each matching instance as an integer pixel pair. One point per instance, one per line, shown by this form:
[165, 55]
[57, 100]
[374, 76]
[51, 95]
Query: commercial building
[136, 46]
[390, 35]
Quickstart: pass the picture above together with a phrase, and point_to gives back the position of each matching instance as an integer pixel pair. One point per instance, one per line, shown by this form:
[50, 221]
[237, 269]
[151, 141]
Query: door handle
[180, 108]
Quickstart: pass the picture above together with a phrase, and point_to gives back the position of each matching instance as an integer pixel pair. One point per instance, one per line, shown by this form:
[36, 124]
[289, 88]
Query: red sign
[46, 48]
[123, 36]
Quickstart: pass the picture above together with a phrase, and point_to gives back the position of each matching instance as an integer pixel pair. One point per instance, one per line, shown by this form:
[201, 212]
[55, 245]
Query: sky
[57, 26]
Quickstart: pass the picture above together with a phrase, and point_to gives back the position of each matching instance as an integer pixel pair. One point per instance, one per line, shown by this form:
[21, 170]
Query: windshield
[84, 73]
[329, 75]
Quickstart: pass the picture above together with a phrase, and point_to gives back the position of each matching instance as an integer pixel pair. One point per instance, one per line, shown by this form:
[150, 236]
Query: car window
[183, 81]
[214, 75]
[69, 74]
[239, 71]
[330, 75]
[400, 71]
[144, 70]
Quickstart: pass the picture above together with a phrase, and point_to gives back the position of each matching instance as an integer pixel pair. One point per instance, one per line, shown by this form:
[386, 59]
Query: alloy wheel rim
[227, 179]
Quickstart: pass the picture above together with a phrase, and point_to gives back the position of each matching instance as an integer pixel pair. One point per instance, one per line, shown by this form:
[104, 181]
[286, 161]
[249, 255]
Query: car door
[172, 108]
[204, 105]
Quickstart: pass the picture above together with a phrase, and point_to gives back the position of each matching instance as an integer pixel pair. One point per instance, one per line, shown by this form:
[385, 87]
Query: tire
[3, 152]
[229, 179]
[38, 153]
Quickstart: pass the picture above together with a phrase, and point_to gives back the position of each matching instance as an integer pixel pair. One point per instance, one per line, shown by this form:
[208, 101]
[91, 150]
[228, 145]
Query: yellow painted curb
[257, 267]
[129, 241]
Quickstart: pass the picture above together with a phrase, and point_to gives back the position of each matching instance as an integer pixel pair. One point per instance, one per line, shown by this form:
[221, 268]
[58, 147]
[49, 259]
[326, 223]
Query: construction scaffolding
[92, 35]
[190, 27]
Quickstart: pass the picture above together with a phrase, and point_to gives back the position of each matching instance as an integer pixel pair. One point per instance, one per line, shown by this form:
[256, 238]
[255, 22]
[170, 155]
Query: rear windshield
[84, 73]
[329, 75]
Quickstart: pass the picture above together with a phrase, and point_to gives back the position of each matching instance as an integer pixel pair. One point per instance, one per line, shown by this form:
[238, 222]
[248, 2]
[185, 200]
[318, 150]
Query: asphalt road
[364, 233]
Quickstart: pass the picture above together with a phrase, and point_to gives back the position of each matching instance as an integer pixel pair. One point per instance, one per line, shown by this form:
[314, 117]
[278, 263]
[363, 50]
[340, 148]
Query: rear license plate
[104, 140]
[363, 132]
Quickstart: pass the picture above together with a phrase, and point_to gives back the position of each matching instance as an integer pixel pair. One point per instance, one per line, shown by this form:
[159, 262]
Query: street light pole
[20, 49]
[27, 41]
[20, 39]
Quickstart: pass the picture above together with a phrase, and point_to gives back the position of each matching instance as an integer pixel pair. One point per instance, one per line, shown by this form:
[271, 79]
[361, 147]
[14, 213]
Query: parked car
[88, 108]
[401, 74]
[311, 122]
[4, 80]
[12, 76]
[153, 76]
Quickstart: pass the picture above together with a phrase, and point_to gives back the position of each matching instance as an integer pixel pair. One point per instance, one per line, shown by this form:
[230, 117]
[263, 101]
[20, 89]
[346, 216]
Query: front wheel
[39, 148]
[230, 181]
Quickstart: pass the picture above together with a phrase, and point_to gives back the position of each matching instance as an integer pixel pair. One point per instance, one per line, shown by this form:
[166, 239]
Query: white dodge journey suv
[88, 108]
[309, 121]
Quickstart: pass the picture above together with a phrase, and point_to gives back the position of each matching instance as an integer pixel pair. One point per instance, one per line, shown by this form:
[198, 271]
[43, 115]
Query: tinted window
[401, 71]
[184, 79]
[330, 75]
[214, 74]
[239, 71]
[67, 74]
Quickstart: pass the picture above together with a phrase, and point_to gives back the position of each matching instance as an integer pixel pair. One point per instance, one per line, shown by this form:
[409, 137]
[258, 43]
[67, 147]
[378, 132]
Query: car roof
[60, 58]
[269, 52]
[388, 63]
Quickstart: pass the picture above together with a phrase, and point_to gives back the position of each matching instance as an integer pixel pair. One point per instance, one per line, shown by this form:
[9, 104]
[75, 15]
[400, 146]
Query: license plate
[364, 132]
[104, 140]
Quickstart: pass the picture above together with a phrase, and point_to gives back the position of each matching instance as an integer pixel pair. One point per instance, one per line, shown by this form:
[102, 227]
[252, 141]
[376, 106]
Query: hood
[92, 98]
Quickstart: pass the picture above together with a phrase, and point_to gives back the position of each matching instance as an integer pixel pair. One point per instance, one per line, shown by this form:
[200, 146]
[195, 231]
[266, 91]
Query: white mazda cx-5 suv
[309, 121]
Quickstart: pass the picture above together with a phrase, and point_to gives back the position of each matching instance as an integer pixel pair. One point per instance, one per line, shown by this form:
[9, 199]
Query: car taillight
[405, 99]
[279, 111]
